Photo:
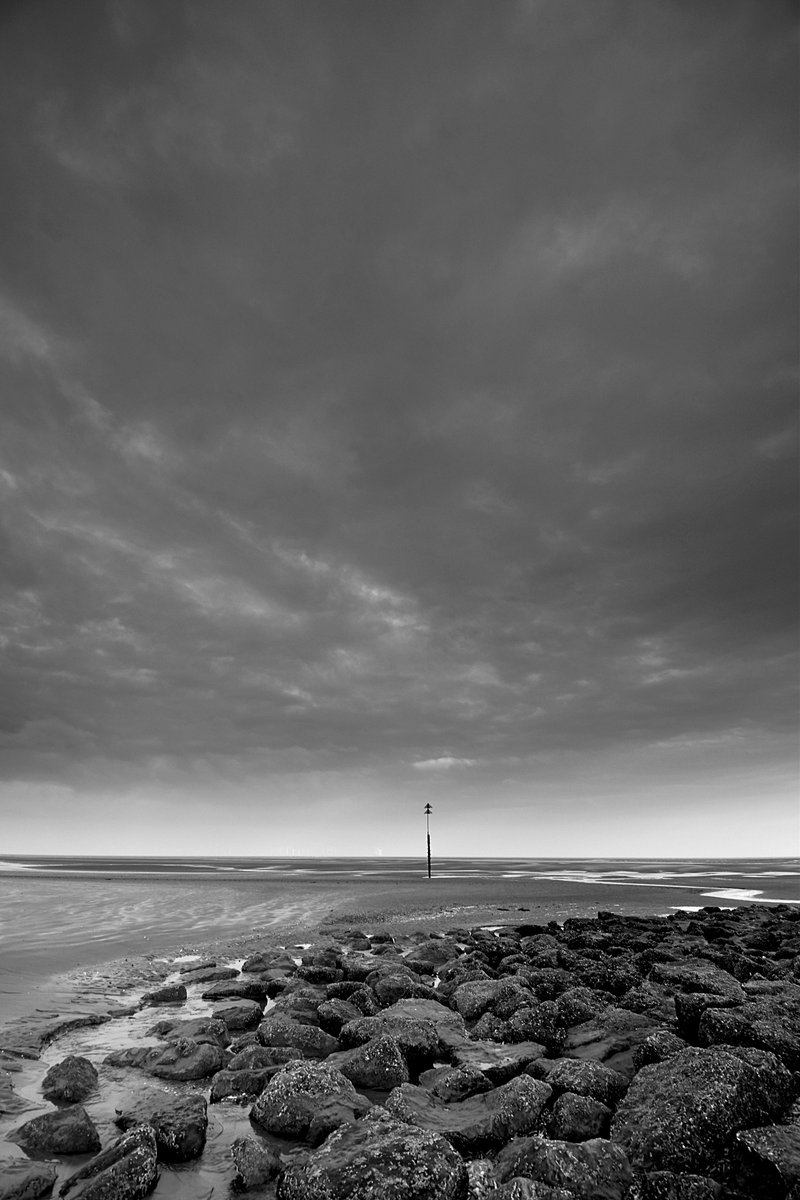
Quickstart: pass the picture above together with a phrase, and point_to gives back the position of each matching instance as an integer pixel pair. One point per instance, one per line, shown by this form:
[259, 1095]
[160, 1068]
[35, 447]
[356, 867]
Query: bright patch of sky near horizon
[398, 405]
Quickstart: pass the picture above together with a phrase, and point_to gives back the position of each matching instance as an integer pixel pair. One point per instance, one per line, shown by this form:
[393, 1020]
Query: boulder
[128, 1170]
[578, 1118]
[610, 1037]
[253, 1058]
[593, 1170]
[481, 1122]
[237, 989]
[255, 1164]
[239, 1014]
[208, 974]
[538, 1023]
[766, 1162]
[69, 1081]
[67, 1131]
[679, 1115]
[377, 1064]
[335, 1013]
[698, 975]
[497, 1061]
[472, 1000]
[199, 1029]
[770, 1022]
[587, 1078]
[454, 1083]
[378, 1158]
[171, 993]
[179, 1123]
[240, 1085]
[666, 1185]
[23, 1180]
[310, 1040]
[306, 1100]
[184, 1059]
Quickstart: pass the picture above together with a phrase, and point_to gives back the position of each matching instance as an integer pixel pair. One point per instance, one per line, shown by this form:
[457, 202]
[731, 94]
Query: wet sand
[59, 930]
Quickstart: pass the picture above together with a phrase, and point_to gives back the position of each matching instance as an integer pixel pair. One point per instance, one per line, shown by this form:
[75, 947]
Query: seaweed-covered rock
[454, 1083]
[666, 1185]
[770, 1022]
[698, 975]
[576, 1118]
[610, 1037]
[67, 1131]
[23, 1180]
[199, 1029]
[593, 1170]
[680, 1114]
[766, 1162]
[587, 1078]
[240, 1085]
[378, 1158]
[538, 1023]
[171, 993]
[128, 1170]
[184, 1059]
[423, 1030]
[255, 1163]
[376, 1064]
[239, 1014]
[499, 1062]
[310, 1040]
[306, 1100]
[481, 1122]
[69, 1081]
[179, 1123]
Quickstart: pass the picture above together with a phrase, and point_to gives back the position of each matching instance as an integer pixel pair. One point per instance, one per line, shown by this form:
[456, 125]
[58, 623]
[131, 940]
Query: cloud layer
[399, 405]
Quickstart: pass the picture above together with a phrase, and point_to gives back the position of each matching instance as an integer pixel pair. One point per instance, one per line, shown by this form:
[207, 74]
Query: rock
[172, 993]
[593, 1170]
[481, 1122]
[538, 1023]
[128, 1170]
[68, 1131]
[656, 1047]
[310, 1040]
[577, 1118]
[199, 1029]
[378, 1158]
[335, 1013]
[454, 1083]
[253, 1058]
[237, 989]
[472, 1000]
[579, 1004]
[239, 1014]
[689, 1009]
[240, 1085]
[376, 1064]
[766, 1162]
[769, 1022]
[69, 1081]
[610, 1037]
[666, 1185]
[680, 1114]
[698, 975]
[184, 1059]
[208, 974]
[179, 1123]
[255, 1164]
[23, 1180]
[305, 1100]
[530, 1189]
[587, 1078]
[498, 1062]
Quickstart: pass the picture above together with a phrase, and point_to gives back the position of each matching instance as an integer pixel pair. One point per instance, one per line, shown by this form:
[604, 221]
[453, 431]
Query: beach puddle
[203, 1179]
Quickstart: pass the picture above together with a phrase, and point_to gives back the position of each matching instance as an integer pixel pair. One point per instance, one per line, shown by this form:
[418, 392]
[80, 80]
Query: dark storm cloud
[395, 386]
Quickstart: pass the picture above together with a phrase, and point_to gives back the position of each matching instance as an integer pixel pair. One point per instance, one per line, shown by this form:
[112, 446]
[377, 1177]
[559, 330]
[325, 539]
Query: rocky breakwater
[611, 1058]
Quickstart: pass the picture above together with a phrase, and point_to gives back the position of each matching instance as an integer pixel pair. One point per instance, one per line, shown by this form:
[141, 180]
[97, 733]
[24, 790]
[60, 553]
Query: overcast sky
[398, 405]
